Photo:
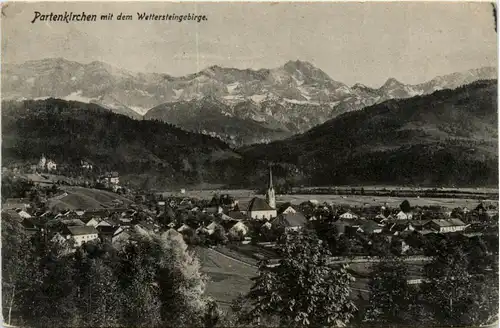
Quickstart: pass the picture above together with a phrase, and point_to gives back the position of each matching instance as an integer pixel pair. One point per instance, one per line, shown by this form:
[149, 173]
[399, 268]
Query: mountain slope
[445, 138]
[275, 103]
[70, 131]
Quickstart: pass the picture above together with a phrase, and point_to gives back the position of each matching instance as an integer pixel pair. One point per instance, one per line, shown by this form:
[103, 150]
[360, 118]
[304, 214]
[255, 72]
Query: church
[259, 208]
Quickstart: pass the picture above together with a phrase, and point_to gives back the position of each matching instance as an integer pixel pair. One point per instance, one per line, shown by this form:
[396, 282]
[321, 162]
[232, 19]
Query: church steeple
[270, 178]
[270, 195]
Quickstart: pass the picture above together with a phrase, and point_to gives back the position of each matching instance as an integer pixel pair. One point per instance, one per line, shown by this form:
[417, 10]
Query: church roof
[259, 204]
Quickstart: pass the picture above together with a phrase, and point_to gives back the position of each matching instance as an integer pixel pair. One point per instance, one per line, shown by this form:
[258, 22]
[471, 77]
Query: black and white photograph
[249, 164]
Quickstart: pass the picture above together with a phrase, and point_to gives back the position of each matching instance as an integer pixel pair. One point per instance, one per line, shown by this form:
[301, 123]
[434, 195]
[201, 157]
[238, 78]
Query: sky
[352, 42]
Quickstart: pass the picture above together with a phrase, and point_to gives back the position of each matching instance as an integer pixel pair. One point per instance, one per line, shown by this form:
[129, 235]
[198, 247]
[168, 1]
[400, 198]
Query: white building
[289, 210]
[260, 209]
[404, 216]
[348, 215]
[51, 165]
[82, 234]
[446, 226]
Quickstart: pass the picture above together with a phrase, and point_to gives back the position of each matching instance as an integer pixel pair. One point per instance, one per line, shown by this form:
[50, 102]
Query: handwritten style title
[69, 17]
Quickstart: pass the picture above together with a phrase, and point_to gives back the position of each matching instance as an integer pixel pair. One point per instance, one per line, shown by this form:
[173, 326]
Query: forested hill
[445, 138]
[71, 131]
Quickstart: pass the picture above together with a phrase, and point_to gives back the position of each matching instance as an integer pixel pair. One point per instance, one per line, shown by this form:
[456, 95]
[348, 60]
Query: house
[82, 234]
[211, 228]
[237, 215]
[106, 233]
[73, 222]
[399, 227]
[111, 177]
[348, 216]
[213, 210]
[120, 238]
[419, 224]
[290, 221]
[103, 223]
[58, 238]
[51, 165]
[370, 227]
[23, 214]
[266, 225]
[288, 210]
[258, 208]
[380, 218]
[92, 222]
[86, 165]
[404, 216]
[16, 203]
[446, 226]
[62, 214]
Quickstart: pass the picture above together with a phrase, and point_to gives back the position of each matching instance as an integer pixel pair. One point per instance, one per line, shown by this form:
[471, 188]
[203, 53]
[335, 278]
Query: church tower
[270, 196]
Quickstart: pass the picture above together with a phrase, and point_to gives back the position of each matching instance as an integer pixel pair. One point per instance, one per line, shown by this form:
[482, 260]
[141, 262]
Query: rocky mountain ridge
[276, 103]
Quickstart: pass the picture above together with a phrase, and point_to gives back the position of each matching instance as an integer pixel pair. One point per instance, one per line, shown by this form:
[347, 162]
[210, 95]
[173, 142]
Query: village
[257, 224]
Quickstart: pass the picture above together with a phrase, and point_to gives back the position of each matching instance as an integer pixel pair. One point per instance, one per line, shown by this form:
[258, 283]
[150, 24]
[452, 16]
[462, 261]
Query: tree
[18, 265]
[219, 235]
[390, 295]
[405, 206]
[174, 276]
[303, 290]
[449, 286]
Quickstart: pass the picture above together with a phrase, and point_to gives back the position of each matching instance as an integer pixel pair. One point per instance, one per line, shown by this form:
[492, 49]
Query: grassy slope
[85, 198]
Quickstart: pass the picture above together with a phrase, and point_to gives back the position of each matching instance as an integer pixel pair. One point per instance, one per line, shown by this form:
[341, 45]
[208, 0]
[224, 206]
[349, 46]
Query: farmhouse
[82, 234]
[446, 226]
[290, 221]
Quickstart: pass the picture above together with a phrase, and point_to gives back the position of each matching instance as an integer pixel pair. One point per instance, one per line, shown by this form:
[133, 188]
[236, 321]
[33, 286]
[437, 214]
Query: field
[86, 198]
[244, 196]
[230, 274]
[357, 200]
[228, 277]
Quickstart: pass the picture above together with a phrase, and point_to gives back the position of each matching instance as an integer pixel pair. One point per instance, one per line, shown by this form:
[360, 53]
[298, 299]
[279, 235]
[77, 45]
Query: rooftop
[82, 230]
[449, 222]
[291, 220]
[259, 204]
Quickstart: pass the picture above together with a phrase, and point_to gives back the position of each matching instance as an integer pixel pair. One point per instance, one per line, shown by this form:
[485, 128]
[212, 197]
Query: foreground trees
[458, 294]
[390, 295]
[153, 281]
[303, 290]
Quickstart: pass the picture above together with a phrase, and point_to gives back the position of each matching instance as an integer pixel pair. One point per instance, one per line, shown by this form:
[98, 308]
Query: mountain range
[449, 137]
[239, 106]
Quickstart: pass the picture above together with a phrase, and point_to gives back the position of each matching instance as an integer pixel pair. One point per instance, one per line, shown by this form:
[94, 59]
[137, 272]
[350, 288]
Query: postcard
[249, 164]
